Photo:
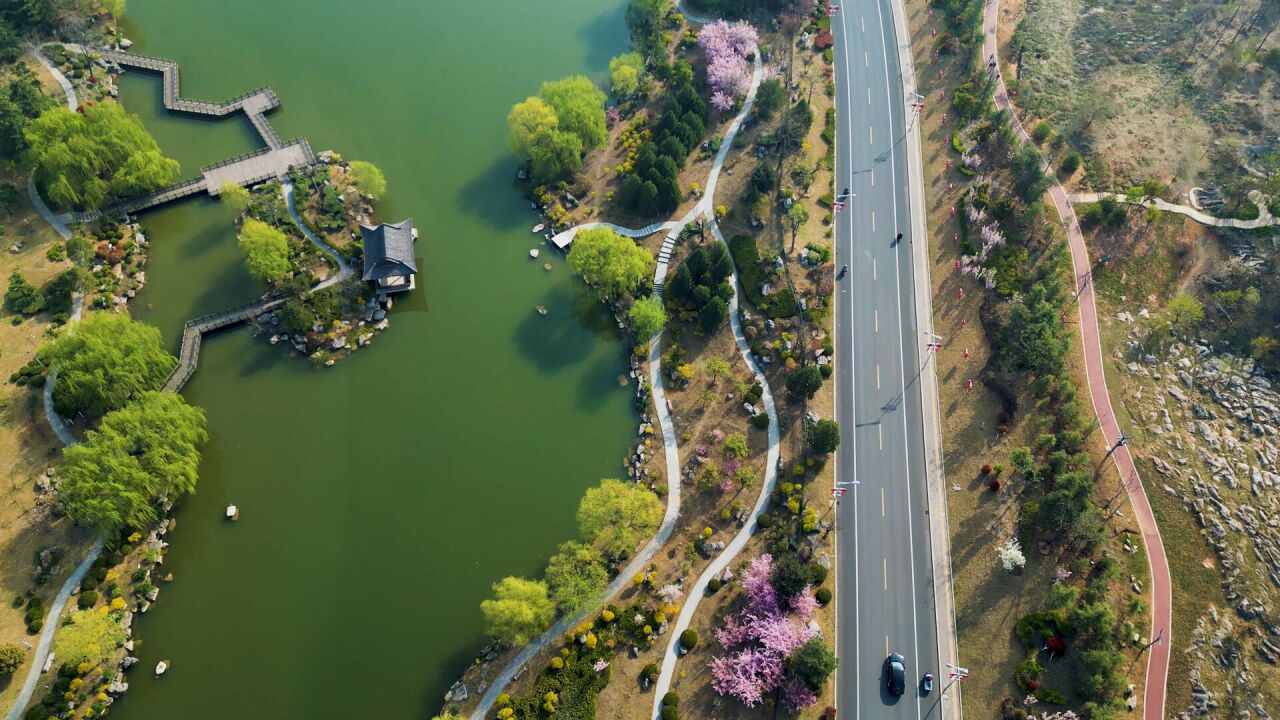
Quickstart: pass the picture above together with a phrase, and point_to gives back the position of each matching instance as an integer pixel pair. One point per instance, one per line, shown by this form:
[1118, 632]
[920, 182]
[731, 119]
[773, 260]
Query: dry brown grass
[27, 446]
[988, 600]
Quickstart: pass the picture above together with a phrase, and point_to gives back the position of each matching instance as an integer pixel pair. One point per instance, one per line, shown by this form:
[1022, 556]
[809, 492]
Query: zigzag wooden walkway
[273, 161]
[193, 333]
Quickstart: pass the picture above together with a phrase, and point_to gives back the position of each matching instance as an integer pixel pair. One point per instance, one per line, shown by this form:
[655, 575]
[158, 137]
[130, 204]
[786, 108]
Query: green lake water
[381, 497]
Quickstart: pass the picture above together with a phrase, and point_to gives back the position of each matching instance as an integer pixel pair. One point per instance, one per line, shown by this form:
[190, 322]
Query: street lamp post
[838, 490]
[931, 347]
[957, 673]
[917, 105]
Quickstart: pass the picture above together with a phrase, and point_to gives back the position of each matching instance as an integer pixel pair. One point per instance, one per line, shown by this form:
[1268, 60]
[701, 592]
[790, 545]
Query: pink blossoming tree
[759, 638]
[727, 46]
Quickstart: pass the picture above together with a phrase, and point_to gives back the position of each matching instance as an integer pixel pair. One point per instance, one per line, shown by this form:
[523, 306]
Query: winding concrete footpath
[345, 270]
[51, 622]
[704, 208]
[37, 202]
[564, 239]
[68, 89]
[1264, 219]
[65, 436]
[1161, 591]
[637, 564]
[59, 427]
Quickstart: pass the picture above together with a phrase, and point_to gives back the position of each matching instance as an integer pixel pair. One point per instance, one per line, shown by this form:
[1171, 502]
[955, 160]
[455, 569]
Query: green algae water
[381, 497]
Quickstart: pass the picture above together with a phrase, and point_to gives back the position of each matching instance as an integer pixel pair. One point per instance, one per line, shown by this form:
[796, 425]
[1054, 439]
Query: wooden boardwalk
[193, 333]
[272, 161]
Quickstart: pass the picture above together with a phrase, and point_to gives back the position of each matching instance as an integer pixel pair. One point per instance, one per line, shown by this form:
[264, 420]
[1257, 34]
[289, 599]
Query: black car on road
[895, 676]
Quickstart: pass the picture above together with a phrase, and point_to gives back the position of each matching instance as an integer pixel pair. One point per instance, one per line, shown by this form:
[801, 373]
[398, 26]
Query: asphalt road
[885, 571]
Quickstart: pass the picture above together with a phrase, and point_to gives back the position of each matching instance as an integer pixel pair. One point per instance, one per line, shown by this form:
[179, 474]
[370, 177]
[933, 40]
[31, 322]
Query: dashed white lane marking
[873, 270]
[873, 221]
[886, 587]
[881, 502]
[873, 178]
[871, 136]
[866, 59]
[877, 318]
[880, 435]
[868, 95]
[877, 377]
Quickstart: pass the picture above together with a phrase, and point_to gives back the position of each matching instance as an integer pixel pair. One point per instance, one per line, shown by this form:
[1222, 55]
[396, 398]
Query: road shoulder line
[940, 541]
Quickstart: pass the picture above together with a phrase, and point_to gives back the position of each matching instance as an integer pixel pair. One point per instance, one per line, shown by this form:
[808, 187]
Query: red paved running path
[1161, 593]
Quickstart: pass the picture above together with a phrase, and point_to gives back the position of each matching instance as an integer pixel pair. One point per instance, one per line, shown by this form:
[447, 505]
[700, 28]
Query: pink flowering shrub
[991, 237]
[759, 638]
[727, 46]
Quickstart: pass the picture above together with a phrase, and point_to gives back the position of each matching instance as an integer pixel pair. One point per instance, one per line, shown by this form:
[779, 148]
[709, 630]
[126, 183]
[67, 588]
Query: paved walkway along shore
[704, 209]
[1095, 366]
[60, 429]
[68, 89]
[1264, 219]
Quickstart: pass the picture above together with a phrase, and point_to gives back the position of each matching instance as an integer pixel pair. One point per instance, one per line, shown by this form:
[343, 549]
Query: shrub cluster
[653, 187]
[701, 286]
[751, 274]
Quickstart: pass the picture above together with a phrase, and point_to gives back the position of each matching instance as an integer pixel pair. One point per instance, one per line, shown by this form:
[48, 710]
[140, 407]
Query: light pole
[957, 673]
[838, 490]
[931, 347]
[917, 105]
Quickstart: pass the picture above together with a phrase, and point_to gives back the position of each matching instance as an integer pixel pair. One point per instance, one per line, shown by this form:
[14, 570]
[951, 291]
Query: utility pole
[957, 674]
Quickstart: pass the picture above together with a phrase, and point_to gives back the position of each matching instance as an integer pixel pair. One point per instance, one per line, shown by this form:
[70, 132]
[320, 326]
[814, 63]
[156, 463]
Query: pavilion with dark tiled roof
[388, 256]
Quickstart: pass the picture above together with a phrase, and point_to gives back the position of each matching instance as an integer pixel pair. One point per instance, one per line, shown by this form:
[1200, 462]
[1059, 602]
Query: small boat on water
[162, 667]
[533, 253]
[542, 309]
[539, 228]
[233, 512]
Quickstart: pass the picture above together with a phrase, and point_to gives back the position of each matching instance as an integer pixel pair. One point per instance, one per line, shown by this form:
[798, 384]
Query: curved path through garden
[59, 427]
[1161, 592]
[704, 208]
[67, 88]
[344, 268]
[1264, 219]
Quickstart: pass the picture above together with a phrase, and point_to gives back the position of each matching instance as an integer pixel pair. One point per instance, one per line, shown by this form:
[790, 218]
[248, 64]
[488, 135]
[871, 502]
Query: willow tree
[146, 450]
[579, 106]
[106, 363]
[235, 197]
[519, 610]
[368, 178]
[616, 516]
[86, 160]
[266, 251]
[612, 264]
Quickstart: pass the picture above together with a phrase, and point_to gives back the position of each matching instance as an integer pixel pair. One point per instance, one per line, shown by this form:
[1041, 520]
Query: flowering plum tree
[727, 46]
[759, 639]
